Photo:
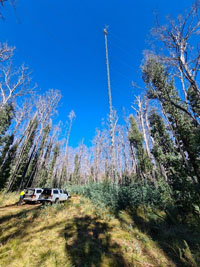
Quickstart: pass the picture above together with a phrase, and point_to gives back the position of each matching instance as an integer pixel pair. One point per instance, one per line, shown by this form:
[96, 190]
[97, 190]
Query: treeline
[158, 146]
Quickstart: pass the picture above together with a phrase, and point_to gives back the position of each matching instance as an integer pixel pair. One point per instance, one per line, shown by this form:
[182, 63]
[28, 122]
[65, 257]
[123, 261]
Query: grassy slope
[73, 234]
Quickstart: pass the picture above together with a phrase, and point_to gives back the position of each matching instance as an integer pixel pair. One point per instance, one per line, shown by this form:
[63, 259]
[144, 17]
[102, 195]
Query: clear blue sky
[63, 44]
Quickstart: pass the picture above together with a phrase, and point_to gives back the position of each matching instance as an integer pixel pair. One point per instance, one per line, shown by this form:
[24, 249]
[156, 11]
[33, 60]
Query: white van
[32, 195]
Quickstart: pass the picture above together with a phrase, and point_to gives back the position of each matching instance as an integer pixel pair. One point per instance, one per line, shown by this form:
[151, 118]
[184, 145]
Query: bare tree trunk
[64, 169]
[12, 178]
[162, 169]
[141, 110]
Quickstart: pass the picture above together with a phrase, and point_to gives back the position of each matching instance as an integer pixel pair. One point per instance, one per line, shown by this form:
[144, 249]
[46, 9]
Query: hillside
[73, 234]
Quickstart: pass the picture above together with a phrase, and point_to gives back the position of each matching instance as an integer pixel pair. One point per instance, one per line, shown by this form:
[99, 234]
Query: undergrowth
[75, 233]
[120, 197]
[109, 226]
[153, 212]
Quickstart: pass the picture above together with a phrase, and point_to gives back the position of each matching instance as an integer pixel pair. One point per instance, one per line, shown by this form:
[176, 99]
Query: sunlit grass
[75, 233]
[8, 199]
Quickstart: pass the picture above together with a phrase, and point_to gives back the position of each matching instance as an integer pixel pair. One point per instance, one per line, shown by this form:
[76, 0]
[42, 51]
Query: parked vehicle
[32, 195]
[53, 195]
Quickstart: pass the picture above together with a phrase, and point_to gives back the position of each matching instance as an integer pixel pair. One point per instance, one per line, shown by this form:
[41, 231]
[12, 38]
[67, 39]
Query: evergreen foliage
[144, 165]
[6, 115]
[7, 164]
[185, 131]
[75, 177]
[182, 163]
[50, 181]
[22, 163]
[6, 140]
[194, 101]
[118, 198]
[164, 149]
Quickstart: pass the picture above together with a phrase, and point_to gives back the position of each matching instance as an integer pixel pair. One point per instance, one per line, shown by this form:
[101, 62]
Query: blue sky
[63, 44]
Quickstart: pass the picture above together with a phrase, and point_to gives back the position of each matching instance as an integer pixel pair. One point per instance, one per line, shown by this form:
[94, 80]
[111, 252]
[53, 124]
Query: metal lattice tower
[111, 117]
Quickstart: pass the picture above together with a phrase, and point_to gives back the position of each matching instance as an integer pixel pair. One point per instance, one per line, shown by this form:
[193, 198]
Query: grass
[9, 199]
[77, 233]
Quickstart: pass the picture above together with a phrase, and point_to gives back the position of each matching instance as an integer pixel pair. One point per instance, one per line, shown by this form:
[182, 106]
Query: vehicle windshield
[46, 192]
[30, 191]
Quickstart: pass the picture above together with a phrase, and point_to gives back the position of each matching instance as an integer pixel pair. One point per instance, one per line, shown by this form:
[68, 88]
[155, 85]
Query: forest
[150, 161]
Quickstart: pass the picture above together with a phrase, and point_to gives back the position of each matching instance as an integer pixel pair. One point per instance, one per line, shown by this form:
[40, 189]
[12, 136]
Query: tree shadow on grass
[169, 236]
[8, 206]
[88, 244]
[22, 224]
[18, 214]
[18, 206]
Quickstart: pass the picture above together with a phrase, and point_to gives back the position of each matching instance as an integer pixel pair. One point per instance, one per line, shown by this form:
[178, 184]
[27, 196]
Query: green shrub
[120, 197]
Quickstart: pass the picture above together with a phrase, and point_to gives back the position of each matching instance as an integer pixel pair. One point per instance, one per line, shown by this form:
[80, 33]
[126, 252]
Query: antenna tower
[111, 117]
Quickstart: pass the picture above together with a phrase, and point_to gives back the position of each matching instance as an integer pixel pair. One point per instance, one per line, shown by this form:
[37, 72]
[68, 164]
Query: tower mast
[111, 117]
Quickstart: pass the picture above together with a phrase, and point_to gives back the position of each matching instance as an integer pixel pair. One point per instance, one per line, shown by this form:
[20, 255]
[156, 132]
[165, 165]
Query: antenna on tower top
[105, 29]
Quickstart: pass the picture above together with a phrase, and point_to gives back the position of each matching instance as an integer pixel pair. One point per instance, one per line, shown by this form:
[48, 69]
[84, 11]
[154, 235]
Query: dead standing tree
[46, 106]
[85, 164]
[14, 83]
[41, 173]
[131, 164]
[178, 39]
[29, 132]
[6, 52]
[124, 156]
[140, 113]
[64, 175]
[146, 112]
[98, 147]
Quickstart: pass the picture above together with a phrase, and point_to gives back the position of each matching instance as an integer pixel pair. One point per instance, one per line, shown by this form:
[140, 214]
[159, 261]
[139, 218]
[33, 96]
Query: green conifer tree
[185, 128]
[144, 165]
[76, 174]
[18, 177]
[50, 179]
[6, 140]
